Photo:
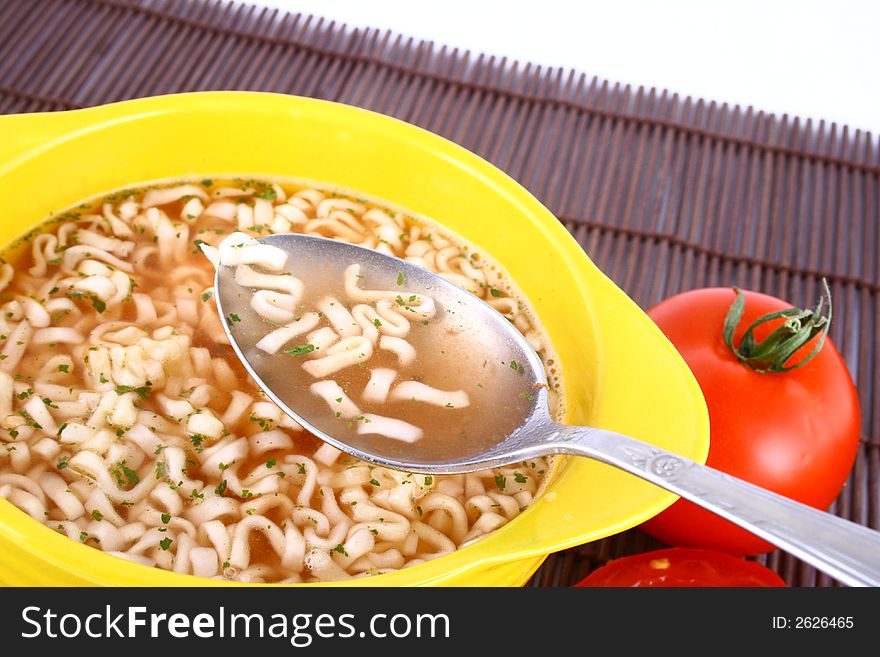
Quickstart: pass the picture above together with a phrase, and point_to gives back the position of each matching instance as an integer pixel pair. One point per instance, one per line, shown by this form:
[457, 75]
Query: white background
[812, 59]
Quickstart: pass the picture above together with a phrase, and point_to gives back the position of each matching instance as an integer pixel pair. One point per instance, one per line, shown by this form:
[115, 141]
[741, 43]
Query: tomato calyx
[771, 354]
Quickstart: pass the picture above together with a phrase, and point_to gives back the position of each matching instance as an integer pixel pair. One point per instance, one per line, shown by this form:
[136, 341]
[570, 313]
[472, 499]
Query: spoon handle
[844, 550]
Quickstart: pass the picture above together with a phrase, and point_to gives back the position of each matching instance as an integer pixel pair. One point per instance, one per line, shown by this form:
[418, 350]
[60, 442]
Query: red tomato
[795, 432]
[681, 567]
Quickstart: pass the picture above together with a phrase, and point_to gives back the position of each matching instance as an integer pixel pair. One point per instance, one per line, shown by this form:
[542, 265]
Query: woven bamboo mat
[664, 193]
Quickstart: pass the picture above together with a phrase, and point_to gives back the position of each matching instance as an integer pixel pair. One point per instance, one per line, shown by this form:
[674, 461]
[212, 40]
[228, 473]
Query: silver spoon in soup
[397, 366]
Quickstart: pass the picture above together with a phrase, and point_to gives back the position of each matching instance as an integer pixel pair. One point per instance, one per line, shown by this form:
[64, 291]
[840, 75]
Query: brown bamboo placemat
[664, 193]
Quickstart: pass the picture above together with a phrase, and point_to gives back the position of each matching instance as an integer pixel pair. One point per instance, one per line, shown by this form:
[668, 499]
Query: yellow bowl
[618, 369]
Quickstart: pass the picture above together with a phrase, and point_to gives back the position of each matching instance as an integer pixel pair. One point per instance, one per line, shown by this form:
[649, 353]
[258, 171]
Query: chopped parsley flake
[143, 392]
[300, 350]
[97, 303]
[197, 439]
[130, 474]
[500, 481]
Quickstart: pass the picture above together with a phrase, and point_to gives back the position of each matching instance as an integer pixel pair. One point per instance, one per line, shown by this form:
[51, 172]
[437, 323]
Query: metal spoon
[475, 338]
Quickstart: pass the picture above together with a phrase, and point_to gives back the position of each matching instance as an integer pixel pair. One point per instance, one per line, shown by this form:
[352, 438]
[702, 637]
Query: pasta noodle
[127, 423]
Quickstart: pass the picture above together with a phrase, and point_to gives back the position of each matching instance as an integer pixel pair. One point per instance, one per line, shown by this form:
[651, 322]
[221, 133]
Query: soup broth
[415, 376]
[130, 425]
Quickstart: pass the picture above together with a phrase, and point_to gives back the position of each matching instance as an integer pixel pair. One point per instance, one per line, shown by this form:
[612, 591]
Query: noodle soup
[380, 360]
[129, 424]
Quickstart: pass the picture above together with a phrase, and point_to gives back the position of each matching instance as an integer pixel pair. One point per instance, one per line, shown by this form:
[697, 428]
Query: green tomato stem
[771, 354]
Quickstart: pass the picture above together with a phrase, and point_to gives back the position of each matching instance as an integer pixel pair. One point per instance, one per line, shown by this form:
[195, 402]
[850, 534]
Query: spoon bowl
[465, 343]
[509, 422]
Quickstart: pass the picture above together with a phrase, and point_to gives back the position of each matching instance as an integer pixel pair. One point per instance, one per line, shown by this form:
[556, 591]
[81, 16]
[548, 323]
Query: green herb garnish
[130, 474]
[143, 392]
[300, 350]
